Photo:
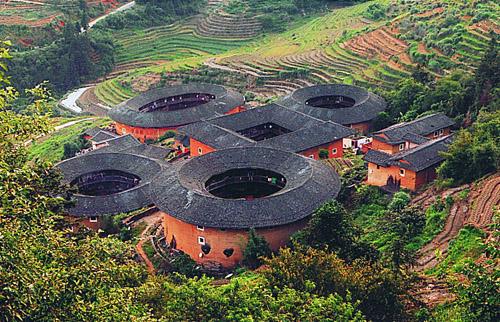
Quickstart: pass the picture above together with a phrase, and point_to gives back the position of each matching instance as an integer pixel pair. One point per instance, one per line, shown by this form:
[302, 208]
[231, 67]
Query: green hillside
[343, 45]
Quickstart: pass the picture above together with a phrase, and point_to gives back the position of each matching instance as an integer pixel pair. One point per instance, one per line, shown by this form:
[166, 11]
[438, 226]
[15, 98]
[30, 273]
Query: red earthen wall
[446, 131]
[411, 180]
[237, 110]
[384, 147]
[142, 133]
[194, 147]
[362, 128]
[333, 145]
[186, 239]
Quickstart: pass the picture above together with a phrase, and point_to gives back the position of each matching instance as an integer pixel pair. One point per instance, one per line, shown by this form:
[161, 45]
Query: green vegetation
[375, 11]
[331, 227]
[65, 63]
[166, 43]
[474, 152]
[52, 148]
[148, 13]
[257, 247]
[464, 249]
[320, 272]
[350, 263]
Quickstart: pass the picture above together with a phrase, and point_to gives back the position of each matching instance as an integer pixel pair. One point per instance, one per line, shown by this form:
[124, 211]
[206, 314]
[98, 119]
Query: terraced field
[341, 47]
[39, 13]
[168, 43]
[220, 24]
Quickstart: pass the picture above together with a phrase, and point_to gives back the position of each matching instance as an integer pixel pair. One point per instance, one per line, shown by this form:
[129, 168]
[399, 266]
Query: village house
[209, 203]
[406, 155]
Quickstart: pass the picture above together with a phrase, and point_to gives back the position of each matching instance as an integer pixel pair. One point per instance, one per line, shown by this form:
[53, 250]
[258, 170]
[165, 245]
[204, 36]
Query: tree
[45, 273]
[479, 295]
[402, 224]
[474, 152]
[378, 291]
[256, 248]
[486, 78]
[400, 200]
[331, 227]
[84, 14]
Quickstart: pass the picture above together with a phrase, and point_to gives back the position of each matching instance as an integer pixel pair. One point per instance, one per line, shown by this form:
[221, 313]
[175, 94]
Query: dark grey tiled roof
[103, 136]
[180, 190]
[308, 137]
[421, 126]
[92, 131]
[307, 132]
[366, 108]
[416, 159]
[119, 144]
[128, 111]
[271, 113]
[414, 138]
[129, 144]
[124, 201]
[215, 136]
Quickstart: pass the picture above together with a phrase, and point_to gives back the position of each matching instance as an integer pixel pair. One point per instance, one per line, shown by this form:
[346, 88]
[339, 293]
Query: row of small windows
[439, 132]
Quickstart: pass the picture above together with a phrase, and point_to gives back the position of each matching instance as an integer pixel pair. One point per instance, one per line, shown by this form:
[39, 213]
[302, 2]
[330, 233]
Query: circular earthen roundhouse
[151, 114]
[344, 104]
[210, 202]
[108, 184]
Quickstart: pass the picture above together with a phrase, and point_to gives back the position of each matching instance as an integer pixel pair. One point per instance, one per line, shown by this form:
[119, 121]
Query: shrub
[375, 11]
[323, 153]
[256, 248]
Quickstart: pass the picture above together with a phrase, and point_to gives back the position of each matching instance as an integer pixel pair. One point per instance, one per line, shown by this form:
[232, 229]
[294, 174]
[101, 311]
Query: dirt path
[89, 102]
[60, 127]
[476, 209]
[119, 9]
[212, 64]
[151, 221]
[30, 2]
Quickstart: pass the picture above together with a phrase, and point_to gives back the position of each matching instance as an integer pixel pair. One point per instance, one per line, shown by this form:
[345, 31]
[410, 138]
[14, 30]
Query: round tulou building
[108, 184]
[151, 114]
[348, 105]
[210, 202]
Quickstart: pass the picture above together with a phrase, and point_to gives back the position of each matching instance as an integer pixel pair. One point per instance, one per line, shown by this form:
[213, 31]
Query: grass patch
[435, 218]
[138, 229]
[465, 248]
[51, 147]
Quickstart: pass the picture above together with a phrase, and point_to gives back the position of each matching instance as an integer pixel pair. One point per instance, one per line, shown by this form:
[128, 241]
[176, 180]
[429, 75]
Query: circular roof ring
[177, 105]
[109, 183]
[240, 188]
[339, 103]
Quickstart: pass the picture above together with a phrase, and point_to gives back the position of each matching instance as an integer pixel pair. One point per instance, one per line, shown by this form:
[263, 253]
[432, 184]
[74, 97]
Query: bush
[256, 248]
[332, 227]
[323, 154]
[474, 152]
[319, 272]
[375, 11]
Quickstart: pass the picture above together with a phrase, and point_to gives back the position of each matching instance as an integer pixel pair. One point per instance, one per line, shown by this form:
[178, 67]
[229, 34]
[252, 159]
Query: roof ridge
[420, 147]
[232, 132]
[402, 124]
